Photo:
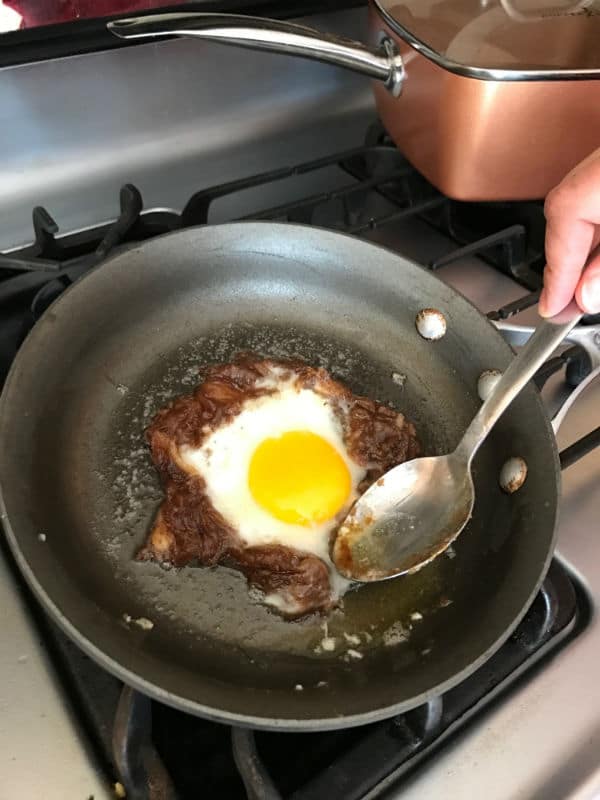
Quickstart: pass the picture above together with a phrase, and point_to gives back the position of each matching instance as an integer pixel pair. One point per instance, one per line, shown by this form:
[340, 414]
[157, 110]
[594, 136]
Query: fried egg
[279, 472]
[261, 464]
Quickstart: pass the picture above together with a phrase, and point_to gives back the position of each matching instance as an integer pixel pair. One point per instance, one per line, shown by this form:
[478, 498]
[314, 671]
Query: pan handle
[382, 63]
[586, 337]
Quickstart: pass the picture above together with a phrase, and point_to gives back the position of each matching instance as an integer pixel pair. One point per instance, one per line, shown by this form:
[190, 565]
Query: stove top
[152, 751]
[168, 119]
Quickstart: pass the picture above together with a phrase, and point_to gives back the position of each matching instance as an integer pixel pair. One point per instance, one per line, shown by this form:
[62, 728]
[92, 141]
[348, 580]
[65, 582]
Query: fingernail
[590, 295]
[543, 304]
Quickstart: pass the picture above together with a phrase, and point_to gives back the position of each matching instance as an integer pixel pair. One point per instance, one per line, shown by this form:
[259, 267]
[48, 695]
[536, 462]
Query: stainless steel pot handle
[382, 63]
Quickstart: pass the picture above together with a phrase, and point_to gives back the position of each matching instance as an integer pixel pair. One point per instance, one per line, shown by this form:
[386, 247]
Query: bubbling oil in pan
[216, 603]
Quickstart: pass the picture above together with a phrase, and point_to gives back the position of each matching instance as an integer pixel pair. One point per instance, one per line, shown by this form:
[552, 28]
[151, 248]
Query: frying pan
[79, 493]
[489, 101]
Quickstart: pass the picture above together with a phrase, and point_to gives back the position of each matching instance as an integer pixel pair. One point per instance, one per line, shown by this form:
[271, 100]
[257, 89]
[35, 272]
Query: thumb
[588, 288]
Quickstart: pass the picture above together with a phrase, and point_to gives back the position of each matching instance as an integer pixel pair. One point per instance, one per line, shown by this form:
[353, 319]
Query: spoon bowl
[396, 529]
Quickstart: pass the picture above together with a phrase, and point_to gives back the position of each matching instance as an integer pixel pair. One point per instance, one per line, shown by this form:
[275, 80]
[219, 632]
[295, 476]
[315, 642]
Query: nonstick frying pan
[79, 493]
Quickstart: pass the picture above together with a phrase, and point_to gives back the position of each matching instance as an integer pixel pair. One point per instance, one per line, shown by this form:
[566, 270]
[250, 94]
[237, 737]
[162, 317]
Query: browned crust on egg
[189, 529]
[300, 579]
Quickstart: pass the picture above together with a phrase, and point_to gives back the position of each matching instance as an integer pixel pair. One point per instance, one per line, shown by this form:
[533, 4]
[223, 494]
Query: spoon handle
[546, 337]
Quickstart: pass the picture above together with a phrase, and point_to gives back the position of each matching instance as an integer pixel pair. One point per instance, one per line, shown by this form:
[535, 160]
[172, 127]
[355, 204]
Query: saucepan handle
[382, 63]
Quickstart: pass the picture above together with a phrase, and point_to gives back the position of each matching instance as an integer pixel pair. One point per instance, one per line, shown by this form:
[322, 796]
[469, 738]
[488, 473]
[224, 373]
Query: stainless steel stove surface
[525, 726]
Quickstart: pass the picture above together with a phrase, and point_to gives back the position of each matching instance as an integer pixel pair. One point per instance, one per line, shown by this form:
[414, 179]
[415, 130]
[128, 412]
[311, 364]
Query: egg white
[223, 460]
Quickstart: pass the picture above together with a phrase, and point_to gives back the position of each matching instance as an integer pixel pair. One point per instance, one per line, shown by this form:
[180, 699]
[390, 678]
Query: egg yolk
[299, 478]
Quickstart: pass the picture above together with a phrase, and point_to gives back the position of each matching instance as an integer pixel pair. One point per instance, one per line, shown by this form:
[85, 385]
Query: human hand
[572, 212]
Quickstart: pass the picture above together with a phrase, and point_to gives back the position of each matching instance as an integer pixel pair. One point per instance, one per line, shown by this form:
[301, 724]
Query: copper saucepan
[490, 101]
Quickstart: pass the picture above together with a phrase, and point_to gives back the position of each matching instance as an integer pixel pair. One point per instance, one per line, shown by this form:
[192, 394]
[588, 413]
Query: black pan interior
[73, 466]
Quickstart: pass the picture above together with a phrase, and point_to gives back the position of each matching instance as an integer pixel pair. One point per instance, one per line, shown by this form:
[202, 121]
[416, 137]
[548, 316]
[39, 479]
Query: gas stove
[527, 724]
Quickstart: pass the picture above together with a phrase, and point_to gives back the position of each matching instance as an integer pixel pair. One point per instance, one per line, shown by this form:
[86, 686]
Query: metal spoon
[412, 514]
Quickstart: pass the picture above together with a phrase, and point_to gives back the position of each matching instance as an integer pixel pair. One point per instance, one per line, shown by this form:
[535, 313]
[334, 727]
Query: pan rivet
[431, 323]
[486, 382]
[513, 474]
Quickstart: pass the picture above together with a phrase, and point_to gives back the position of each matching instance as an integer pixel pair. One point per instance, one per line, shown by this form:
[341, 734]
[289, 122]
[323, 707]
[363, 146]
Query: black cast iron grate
[509, 236]
[158, 752]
